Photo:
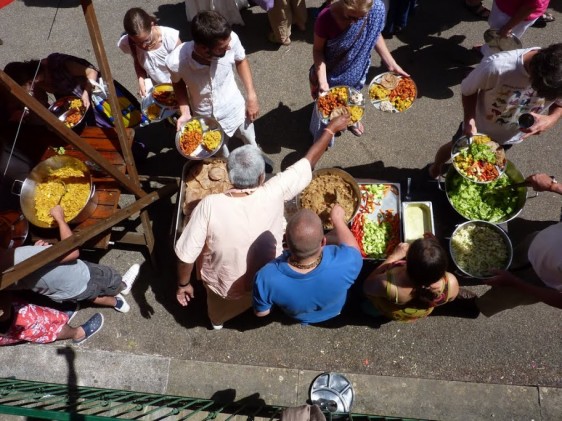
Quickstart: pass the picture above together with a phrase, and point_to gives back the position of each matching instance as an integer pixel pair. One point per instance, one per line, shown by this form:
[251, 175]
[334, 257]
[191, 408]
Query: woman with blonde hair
[149, 44]
[344, 35]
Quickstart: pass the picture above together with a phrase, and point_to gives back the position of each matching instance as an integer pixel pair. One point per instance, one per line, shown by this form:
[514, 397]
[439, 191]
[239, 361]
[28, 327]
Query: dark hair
[210, 27]
[426, 263]
[136, 21]
[546, 72]
[22, 71]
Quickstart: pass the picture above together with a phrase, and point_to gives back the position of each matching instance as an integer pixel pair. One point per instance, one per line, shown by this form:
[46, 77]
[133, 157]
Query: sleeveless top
[389, 307]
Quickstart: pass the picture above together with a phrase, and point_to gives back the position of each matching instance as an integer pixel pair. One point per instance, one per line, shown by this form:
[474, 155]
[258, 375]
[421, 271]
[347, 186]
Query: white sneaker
[122, 305]
[216, 327]
[130, 277]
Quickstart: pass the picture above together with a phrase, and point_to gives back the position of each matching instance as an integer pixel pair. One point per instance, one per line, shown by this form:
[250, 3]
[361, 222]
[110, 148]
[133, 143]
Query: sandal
[478, 10]
[357, 130]
[548, 17]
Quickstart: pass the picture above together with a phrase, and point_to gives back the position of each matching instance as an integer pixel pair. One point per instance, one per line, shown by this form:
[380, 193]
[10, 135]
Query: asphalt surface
[517, 347]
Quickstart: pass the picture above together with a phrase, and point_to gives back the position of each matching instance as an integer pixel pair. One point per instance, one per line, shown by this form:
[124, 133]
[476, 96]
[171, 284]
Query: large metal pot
[452, 178]
[39, 174]
[507, 244]
[348, 178]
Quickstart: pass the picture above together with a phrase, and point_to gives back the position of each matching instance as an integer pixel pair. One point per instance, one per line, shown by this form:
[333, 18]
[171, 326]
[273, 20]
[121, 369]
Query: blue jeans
[398, 13]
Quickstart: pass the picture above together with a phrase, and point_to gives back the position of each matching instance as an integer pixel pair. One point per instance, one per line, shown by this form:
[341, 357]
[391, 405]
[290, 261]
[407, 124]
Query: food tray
[207, 124]
[179, 220]
[154, 112]
[360, 102]
[417, 219]
[385, 104]
[463, 143]
[498, 43]
[167, 89]
[390, 202]
[61, 109]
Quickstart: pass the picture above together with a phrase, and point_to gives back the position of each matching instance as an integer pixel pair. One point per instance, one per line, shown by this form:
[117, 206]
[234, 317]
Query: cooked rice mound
[68, 186]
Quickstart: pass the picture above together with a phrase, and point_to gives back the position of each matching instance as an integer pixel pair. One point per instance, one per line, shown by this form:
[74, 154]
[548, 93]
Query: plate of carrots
[393, 93]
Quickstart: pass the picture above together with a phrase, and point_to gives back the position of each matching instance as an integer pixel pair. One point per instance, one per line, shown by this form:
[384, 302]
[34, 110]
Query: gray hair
[245, 167]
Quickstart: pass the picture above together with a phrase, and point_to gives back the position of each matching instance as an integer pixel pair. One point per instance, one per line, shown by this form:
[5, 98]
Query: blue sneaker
[91, 327]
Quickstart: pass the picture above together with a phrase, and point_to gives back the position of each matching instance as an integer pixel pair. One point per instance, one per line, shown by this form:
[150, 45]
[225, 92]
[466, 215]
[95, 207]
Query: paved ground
[515, 348]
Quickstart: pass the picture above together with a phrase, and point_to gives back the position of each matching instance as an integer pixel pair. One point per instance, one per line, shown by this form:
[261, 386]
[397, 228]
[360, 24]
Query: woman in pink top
[513, 17]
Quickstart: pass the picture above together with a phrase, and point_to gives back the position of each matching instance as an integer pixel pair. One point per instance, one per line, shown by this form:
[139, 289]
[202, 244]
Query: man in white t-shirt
[203, 78]
[543, 251]
[504, 86]
[233, 234]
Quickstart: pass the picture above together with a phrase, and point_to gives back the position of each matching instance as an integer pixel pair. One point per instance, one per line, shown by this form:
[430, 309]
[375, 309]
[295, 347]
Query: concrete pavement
[380, 395]
[504, 367]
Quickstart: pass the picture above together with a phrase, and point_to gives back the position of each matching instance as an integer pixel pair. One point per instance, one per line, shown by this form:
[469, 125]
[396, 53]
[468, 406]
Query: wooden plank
[17, 272]
[97, 44]
[65, 133]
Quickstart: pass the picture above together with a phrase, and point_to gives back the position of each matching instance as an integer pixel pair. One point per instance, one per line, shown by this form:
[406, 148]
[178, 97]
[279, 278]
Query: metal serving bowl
[463, 143]
[452, 178]
[39, 174]
[506, 242]
[331, 198]
[61, 109]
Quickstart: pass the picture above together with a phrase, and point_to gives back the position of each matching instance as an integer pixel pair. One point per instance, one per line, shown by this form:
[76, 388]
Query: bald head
[304, 234]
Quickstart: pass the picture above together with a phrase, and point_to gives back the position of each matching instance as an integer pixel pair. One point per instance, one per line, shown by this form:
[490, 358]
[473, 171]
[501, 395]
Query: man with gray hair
[234, 234]
[309, 282]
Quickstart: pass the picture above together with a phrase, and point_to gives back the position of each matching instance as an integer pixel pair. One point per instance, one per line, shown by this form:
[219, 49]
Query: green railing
[66, 402]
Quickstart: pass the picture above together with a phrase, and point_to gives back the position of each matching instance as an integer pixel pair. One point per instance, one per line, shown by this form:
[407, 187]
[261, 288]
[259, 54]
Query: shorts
[104, 281]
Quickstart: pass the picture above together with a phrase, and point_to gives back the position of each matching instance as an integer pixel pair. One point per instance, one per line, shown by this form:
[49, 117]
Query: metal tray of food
[180, 220]
[341, 97]
[417, 219]
[381, 205]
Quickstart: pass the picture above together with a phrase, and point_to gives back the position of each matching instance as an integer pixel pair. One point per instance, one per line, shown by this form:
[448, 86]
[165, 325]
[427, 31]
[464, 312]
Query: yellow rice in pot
[65, 186]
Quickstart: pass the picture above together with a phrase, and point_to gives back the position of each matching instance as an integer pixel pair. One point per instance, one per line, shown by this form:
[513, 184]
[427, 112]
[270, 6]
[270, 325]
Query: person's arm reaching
[469, 110]
[319, 147]
[544, 122]
[320, 63]
[184, 292]
[64, 231]
[386, 57]
[252, 107]
[341, 234]
[519, 16]
[180, 90]
[548, 296]
[543, 182]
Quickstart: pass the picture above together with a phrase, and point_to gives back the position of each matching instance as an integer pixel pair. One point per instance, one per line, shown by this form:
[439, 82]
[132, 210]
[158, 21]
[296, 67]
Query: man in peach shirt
[239, 231]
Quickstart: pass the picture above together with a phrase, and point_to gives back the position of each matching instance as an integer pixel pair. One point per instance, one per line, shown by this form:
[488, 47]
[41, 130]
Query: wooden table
[108, 190]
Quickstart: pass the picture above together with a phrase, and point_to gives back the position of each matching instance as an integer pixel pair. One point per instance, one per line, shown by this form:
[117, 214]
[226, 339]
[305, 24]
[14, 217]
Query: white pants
[497, 20]
[246, 133]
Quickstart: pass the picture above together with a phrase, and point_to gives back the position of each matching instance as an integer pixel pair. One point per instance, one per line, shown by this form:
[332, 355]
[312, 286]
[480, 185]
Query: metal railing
[67, 402]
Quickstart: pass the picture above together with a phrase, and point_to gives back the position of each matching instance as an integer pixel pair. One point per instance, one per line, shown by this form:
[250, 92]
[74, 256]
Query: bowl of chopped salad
[478, 158]
[494, 202]
[478, 248]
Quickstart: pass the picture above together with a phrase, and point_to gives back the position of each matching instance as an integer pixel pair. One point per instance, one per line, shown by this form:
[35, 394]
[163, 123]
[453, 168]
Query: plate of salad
[478, 158]
[376, 226]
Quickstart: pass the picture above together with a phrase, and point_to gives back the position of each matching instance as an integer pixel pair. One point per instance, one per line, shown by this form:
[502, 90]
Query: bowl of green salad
[492, 202]
[479, 247]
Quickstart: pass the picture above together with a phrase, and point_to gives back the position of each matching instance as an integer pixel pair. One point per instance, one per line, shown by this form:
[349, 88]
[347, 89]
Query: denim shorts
[103, 281]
